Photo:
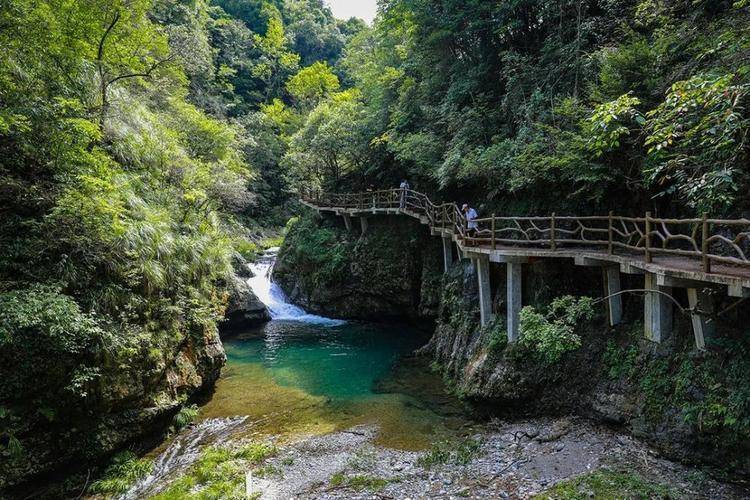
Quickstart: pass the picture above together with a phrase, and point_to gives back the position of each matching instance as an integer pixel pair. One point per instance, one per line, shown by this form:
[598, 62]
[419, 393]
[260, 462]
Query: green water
[295, 379]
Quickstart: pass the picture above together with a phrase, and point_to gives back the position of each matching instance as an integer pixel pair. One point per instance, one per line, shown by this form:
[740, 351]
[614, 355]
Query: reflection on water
[294, 379]
[302, 374]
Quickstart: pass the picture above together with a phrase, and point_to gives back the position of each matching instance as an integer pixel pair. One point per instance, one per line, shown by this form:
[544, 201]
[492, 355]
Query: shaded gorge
[302, 375]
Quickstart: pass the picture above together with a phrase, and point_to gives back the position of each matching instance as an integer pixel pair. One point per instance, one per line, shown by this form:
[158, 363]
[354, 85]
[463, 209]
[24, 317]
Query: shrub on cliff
[551, 335]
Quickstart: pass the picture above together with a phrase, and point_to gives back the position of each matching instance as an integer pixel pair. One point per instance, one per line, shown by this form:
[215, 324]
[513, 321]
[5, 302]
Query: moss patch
[218, 473]
[606, 484]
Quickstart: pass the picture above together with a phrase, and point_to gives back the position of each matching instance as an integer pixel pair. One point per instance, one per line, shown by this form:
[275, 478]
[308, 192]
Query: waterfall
[274, 297]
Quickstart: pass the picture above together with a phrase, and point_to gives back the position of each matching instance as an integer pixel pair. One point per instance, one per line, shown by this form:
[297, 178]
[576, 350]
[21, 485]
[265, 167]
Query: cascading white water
[274, 297]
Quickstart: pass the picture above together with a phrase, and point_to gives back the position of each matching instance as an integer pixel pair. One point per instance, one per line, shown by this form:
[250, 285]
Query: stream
[302, 375]
[353, 415]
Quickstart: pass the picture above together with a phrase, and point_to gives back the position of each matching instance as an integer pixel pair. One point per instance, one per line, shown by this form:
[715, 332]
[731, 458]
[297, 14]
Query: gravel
[516, 460]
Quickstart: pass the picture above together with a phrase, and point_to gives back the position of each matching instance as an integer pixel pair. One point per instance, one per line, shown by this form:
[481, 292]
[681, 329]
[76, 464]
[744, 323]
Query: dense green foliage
[139, 139]
[140, 147]
[639, 104]
[552, 334]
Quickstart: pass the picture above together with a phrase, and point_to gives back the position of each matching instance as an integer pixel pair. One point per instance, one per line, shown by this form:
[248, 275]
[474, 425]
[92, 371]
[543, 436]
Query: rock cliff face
[131, 398]
[390, 272]
[135, 391]
[688, 404]
[693, 406]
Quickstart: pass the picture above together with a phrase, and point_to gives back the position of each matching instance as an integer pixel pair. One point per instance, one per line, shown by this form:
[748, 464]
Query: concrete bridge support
[612, 276]
[447, 253]
[514, 299]
[703, 326]
[347, 222]
[482, 263]
[363, 223]
[657, 310]
[699, 301]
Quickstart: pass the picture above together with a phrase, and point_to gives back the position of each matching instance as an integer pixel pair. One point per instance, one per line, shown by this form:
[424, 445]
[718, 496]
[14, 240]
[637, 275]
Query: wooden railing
[704, 239]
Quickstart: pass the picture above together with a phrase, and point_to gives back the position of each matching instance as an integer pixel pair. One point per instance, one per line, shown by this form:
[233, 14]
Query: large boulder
[244, 308]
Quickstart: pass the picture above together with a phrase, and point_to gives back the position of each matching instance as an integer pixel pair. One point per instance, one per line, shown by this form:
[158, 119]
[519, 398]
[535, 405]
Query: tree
[313, 83]
[331, 143]
[128, 45]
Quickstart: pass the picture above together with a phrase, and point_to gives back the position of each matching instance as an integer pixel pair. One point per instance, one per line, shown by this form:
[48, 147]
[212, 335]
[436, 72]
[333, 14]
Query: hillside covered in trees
[145, 142]
[635, 104]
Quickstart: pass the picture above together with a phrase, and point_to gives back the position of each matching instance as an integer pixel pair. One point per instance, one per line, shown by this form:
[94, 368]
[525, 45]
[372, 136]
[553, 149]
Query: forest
[144, 143]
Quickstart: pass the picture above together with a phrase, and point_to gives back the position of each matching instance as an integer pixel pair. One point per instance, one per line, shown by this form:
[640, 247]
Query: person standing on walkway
[404, 189]
[471, 217]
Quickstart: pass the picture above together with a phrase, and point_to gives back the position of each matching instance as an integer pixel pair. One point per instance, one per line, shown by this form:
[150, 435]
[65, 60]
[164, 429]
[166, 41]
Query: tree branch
[103, 39]
[145, 74]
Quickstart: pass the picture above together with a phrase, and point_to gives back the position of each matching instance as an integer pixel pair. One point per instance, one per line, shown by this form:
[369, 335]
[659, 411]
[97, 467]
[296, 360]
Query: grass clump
[218, 473]
[125, 470]
[359, 482]
[459, 452]
[607, 484]
[255, 453]
[184, 417]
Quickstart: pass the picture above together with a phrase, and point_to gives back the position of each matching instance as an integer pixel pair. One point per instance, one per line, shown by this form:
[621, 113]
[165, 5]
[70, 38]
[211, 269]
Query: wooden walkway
[688, 253]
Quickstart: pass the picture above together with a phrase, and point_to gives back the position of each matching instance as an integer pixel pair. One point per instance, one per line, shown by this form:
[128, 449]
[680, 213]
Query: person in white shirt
[471, 216]
[404, 188]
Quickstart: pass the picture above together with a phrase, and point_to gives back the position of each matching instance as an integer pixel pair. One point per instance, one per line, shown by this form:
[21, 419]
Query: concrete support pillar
[703, 326]
[482, 262]
[363, 224]
[514, 283]
[657, 310]
[612, 276]
[447, 253]
[347, 222]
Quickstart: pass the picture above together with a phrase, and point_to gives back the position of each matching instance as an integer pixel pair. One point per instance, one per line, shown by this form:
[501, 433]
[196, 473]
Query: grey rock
[244, 307]
[241, 266]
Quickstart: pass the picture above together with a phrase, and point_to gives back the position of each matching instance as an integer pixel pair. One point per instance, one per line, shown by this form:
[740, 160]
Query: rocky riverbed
[553, 458]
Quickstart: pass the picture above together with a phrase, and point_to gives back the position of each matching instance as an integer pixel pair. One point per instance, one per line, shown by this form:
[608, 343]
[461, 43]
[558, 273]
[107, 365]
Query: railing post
[553, 243]
[494, 246]
[704, 245]
[610, 232]
[649, 258]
